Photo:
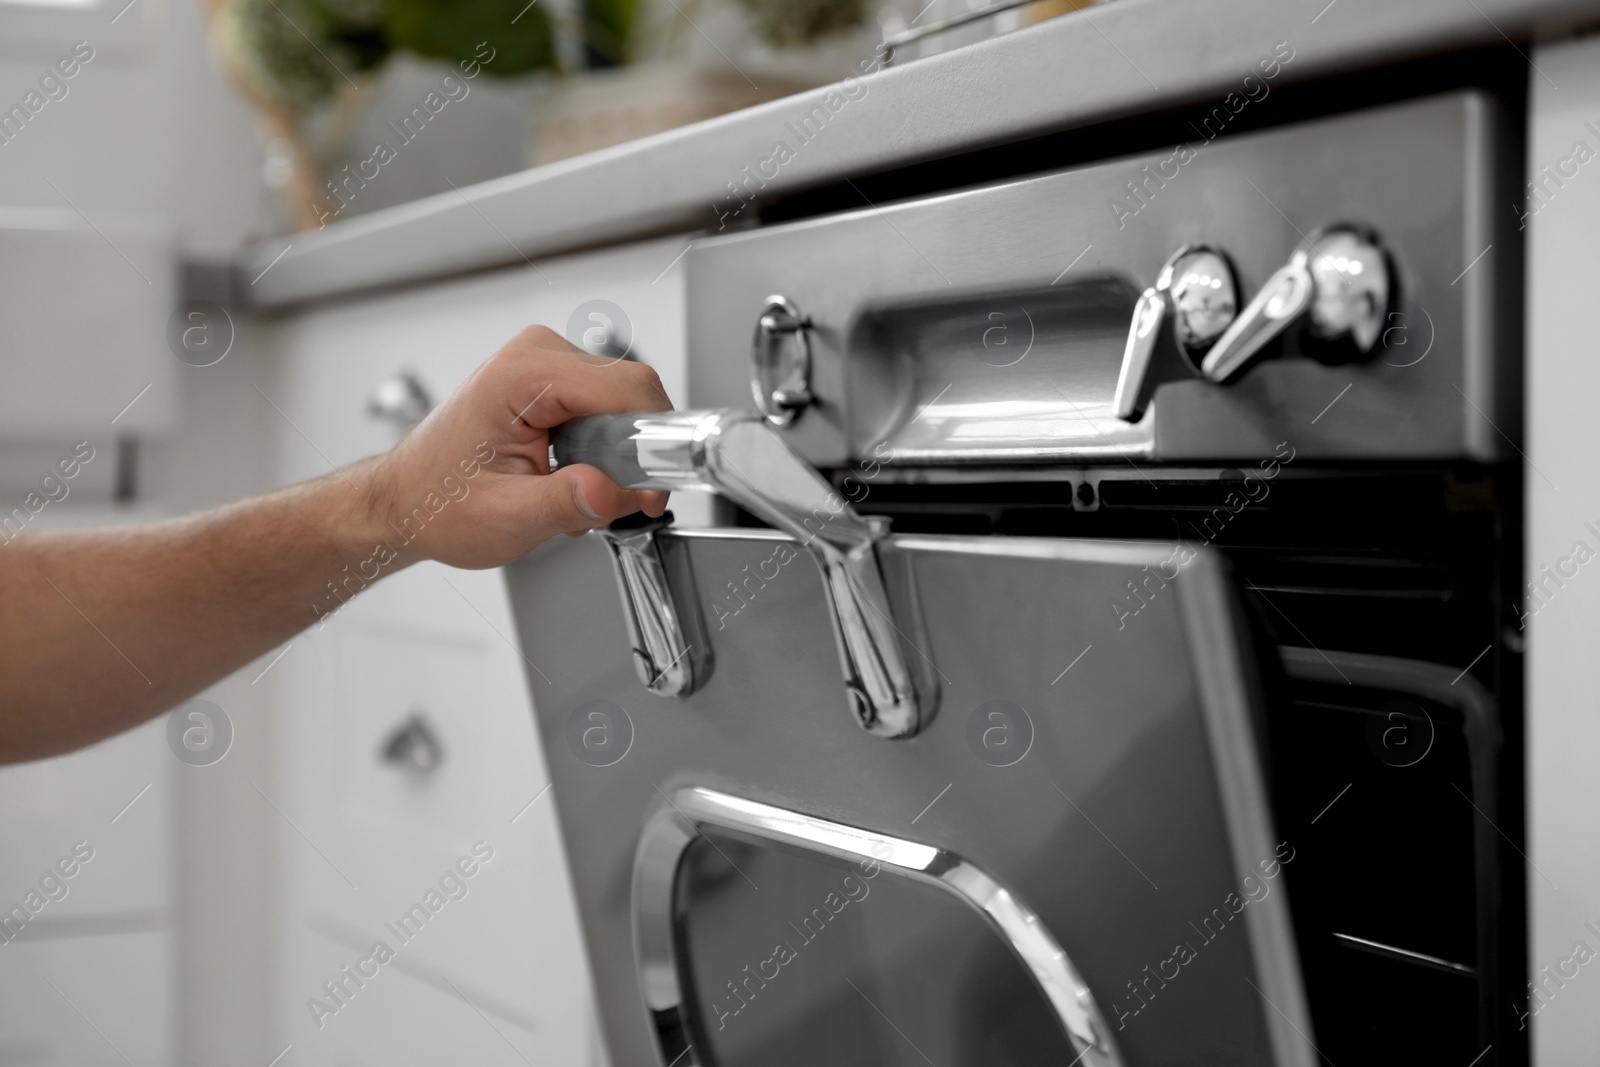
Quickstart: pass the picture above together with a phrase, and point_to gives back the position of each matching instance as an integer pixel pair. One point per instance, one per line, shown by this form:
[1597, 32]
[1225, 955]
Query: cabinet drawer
[369, 836]
[108, 1008]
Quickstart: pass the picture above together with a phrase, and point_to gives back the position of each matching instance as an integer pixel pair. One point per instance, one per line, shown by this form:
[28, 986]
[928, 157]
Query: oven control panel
[1344, 284]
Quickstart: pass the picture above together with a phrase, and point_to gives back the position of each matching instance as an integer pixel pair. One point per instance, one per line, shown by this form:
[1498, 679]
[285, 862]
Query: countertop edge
[1069, 72]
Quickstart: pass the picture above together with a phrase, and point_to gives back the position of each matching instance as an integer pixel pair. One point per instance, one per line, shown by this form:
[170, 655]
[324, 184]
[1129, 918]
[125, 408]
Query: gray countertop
[1073, 71]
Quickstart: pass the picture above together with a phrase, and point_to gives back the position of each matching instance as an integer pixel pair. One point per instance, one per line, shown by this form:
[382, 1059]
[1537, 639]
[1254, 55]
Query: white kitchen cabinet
[86, 1002]
[76, 291]
[497, 976]
[85, 980]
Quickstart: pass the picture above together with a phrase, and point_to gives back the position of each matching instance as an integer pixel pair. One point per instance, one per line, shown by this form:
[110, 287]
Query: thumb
[577, 498]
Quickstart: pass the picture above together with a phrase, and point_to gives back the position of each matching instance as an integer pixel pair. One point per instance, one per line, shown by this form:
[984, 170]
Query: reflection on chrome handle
[739, 455]
[1275, 308]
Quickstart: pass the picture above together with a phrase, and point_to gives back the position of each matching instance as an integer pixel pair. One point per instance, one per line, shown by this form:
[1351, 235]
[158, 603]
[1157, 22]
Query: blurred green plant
[298, 54]
[790, 23]
[611, 31]
[451, 30]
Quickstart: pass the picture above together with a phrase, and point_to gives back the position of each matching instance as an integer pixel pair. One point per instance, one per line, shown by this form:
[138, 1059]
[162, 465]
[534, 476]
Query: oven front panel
[1098, 763]
[989, 325]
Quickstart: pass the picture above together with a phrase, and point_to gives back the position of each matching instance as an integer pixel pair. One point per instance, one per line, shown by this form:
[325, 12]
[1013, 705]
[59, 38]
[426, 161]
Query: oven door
[1071, 860]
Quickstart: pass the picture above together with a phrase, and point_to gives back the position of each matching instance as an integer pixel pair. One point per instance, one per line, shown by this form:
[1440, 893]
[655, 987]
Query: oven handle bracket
[739, 455]
[663, 639]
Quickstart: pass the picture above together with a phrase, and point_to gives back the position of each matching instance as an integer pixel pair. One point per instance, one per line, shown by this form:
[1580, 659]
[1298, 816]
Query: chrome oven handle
[1339, 278]
[780, 361]
[1192, 304]
[739, 455]
[1144, 333]
[681, 818]
[1279, 304]
[663, 653]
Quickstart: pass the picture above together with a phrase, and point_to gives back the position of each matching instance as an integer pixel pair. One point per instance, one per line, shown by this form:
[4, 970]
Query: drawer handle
[414, 746]
[402, 401]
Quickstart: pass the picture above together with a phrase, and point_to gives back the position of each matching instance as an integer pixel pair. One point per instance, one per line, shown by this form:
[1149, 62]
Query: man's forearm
[143, 617]
[102, 630]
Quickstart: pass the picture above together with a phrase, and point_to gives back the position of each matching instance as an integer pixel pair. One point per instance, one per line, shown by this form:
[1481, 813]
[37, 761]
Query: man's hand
[105, 628]
[472, 486]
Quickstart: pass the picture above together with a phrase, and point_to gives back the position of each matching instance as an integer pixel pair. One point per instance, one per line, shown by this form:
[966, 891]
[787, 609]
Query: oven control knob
[1195, 293]
[780, 362]
[1338, 280]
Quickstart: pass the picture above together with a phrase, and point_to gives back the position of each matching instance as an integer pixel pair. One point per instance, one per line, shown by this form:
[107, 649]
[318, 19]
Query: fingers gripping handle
[739, 455]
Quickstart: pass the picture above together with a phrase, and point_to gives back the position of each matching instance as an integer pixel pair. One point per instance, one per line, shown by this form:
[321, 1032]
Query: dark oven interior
[1382, 600]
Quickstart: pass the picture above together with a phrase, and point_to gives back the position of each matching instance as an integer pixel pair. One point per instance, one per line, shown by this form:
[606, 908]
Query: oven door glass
[1072, 861]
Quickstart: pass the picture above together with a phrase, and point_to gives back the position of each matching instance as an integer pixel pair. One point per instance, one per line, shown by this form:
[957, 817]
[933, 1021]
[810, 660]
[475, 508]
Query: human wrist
[360, 509]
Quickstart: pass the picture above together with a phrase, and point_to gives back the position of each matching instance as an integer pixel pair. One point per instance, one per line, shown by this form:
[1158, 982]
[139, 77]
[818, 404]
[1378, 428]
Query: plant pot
[596, 109]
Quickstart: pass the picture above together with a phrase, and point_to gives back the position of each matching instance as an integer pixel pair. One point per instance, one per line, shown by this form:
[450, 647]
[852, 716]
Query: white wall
[1563, 494]
[148, 127]
[163, 943]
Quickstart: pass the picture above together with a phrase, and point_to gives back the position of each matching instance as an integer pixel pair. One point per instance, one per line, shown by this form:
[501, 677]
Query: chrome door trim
[676, 822]
[1067, 550]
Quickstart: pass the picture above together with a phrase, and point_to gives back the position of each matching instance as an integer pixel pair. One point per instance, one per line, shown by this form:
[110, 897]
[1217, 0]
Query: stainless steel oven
[1104, 654]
